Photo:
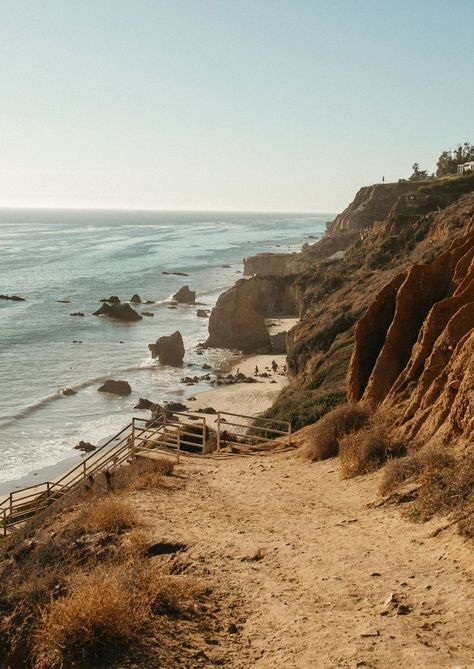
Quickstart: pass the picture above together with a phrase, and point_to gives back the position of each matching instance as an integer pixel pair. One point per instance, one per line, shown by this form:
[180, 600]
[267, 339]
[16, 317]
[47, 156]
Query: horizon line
[151, 209]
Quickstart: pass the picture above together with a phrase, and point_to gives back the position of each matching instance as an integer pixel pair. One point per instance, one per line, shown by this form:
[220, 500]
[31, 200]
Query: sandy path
[303, 567]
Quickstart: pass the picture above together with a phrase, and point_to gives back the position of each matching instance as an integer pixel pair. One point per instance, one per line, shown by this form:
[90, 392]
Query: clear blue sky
[227, 104]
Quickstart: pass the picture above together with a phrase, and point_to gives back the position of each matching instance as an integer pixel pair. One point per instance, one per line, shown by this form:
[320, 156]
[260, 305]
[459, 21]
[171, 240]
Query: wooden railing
[235, 429]
[173, 432]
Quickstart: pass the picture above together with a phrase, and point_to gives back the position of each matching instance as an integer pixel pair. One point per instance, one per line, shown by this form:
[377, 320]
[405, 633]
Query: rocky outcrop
[136, 299]
[238, 319]
[115, 387]
[169, 349]
[121, 312]
[371, 204]
[234, 323]
[268, 264]
[185, 296]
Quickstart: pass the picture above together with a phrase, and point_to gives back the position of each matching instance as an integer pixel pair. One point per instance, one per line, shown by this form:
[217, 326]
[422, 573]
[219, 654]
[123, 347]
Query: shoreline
[244, 398]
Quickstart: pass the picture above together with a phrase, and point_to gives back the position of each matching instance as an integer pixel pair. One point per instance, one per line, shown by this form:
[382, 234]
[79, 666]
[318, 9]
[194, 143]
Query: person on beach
[256, 370]
[274, 366]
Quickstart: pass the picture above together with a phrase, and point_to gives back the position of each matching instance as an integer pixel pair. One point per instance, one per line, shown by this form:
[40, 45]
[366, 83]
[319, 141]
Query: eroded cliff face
[419, 361]
[388, 282]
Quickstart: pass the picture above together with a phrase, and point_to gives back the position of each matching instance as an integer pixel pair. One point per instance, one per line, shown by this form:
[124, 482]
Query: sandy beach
[250, 399]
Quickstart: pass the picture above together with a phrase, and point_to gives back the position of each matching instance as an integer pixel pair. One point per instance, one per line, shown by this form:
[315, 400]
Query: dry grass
[447, 487]
[105, 610]
[409, 468]
[109, 514]
[324, 440]
[364, 451]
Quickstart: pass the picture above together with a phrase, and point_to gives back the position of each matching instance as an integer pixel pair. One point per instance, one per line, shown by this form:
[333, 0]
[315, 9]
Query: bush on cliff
[302, 407]
[362, 452]
[324, 440]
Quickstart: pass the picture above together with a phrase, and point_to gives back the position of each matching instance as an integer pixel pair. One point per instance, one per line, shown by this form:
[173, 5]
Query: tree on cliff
[449, 160]
[418, 175]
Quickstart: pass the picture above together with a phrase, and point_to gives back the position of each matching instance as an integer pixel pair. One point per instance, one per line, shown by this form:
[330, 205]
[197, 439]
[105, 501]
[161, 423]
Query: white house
[467, 167]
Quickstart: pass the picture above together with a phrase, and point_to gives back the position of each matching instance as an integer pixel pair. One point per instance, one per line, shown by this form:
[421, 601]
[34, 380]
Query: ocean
[83, 256]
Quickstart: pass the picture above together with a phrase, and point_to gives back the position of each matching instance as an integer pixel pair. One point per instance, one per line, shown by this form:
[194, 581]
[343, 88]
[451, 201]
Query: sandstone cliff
[419, 359]
[238, 319]
[390, 277]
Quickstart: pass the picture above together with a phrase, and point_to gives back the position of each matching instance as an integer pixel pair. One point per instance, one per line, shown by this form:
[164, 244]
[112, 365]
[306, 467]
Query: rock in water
[85, 446]
[122, 312]
[113, 299]
[185, 296]
[77, 313]
[144, 404]
[68, 391]
[169, 350]
[150, 314]
[14, 298]
[202, 313]
[115, 387]
[136, 299]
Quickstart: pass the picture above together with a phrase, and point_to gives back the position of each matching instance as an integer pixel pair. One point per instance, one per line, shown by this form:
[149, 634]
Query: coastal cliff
[365, 294]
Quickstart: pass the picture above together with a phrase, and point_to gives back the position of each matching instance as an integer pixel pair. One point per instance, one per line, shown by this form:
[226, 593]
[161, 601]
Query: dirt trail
[303, 567]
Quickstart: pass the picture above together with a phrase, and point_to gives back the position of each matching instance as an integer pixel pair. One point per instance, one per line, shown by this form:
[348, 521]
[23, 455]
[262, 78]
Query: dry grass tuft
[447, 487]
[109, 514]
[324, 439]
[364, 451]
[104, 611]
[408, 468]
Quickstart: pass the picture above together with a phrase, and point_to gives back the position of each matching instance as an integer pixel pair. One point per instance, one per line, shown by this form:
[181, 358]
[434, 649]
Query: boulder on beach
[210, 410]
[68, 391]
[122, 312]
[169, 349]
[136, 299]
[278, 342]
[115, 387]
[85, 446]
[185, 296]
[202, 313]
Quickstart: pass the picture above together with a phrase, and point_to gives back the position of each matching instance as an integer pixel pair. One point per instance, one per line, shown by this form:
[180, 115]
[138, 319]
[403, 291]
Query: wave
[49, 399]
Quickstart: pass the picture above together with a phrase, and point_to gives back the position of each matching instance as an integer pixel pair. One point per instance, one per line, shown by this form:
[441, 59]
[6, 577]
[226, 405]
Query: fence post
[204, 430]
[289, 435]
[218, 431]
[5, 522]
[133, 449]
[84, 465]
[178, 446]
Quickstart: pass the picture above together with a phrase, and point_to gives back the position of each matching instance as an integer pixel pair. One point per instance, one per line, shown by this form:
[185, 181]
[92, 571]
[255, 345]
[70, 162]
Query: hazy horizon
[178, 105]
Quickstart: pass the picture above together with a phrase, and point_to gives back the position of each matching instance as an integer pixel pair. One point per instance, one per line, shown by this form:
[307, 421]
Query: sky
[253, 105]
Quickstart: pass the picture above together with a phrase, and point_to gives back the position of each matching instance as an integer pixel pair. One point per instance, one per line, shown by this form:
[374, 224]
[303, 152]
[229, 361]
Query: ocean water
[82, 256]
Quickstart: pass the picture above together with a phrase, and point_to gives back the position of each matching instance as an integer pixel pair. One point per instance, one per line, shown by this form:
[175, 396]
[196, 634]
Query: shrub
[446, 487]
[364, 451]
[324, 440]
[410, 467]
[105, 610]
[109, 514]
[99, 613]
[303, 406]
